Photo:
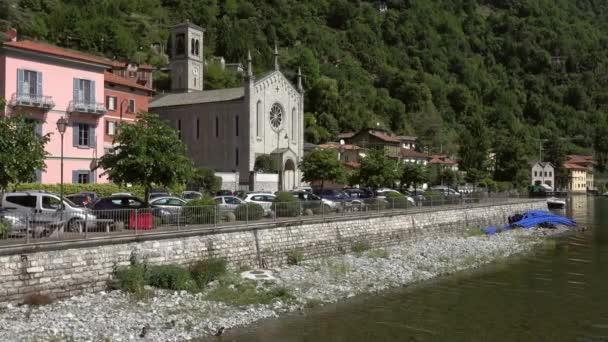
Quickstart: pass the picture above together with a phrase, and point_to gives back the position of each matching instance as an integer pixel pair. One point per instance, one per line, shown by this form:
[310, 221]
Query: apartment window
[236, 153]
[131, 107]
[198, 128]
[217, 127]
[111, 103]
[30, 82]
[83, 177]
[179, 128]
[132, 74]
[110, 127]
[550, 174]
[545, 173]
[236, 124]
[535, 173]
[84, 91]
[83, 135]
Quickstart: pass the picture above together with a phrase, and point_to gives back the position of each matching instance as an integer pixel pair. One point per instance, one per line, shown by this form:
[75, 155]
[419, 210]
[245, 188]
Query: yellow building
[580, 173]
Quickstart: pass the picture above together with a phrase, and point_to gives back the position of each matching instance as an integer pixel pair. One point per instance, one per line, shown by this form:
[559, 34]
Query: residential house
[138, 73]
[375, 138]
[408, 142]
[124, 98]
[350, 155]
[415, 157]
[543, 173]
[46, 83]
[580, 172]
[443, 161]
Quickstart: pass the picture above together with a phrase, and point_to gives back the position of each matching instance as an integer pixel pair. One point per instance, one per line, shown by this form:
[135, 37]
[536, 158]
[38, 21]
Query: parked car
[335, 195]
[228, 203]
[191, 195]
[314, 202]
[383, 192]
[445, 190]
[44, 208]
[17, 224]
[263, 199]
[156, 193]
[122, 194]
[120, 209]
[82, 199]
[172, 208]
[224, 193]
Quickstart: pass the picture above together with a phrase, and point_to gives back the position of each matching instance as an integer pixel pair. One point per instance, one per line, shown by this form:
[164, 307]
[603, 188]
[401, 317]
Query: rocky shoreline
[180, 316]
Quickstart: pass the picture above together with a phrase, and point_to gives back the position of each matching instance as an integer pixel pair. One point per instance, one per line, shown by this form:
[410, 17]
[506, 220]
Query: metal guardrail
[84, 107]
[25, 228]
[32, 100]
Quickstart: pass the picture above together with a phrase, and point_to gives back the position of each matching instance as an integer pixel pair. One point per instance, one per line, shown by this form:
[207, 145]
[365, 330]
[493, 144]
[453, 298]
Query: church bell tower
[187, 59]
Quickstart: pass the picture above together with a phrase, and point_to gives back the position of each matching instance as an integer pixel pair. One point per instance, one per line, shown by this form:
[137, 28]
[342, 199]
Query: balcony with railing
[32, 100]
[86, 107]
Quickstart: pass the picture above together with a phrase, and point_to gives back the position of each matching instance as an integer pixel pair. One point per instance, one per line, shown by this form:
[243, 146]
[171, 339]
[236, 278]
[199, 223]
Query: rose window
[276, 116]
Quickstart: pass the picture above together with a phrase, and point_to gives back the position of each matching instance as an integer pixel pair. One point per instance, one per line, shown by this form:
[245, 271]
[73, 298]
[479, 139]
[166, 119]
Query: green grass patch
[245, 292]
[360, 246]
[205, 271]
[378, 254]
[474, 232]
[170, 277]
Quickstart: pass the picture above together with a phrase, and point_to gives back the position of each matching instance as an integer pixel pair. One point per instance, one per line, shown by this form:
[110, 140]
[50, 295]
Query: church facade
[227, 129]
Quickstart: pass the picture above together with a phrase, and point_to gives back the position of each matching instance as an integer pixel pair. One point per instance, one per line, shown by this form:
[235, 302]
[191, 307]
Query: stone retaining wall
[72, 271]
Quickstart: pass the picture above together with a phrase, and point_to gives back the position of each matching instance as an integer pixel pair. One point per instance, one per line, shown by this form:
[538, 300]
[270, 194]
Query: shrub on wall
[397, 201]
[102, 190]
[201, 211]
[249, 211]
[285, 205]
[205, 271]
[171, 277]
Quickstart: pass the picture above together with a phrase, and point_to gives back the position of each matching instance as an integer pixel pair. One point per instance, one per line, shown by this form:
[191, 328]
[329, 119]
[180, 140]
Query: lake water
[558, 294]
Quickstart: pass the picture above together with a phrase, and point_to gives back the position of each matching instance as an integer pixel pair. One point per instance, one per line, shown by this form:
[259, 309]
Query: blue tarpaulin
[533, 218]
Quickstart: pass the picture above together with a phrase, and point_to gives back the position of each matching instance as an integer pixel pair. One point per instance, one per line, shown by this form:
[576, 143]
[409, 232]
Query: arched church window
[192, 46]
[276, 116]
[258, 119]
[180, 47]
[196, 49]
[294, 127]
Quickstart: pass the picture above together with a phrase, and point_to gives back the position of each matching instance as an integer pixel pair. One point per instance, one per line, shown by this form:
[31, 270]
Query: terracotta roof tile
[57, 51]
[123, 64]
[335, 146]
[111, 78]
[573, 166]
[413, 154]
[346, 135]
[384, 136]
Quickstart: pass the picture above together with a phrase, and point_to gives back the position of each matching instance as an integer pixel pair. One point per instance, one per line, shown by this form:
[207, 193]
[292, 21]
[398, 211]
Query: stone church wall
[62, 271]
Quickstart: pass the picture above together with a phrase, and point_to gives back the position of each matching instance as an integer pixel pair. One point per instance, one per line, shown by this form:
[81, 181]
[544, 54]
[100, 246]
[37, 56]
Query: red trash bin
[144, 221]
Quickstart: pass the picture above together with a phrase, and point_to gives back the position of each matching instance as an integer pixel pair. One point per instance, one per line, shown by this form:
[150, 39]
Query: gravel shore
[182, 316]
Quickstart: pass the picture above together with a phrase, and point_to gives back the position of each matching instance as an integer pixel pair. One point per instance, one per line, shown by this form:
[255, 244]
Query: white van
[42, 207]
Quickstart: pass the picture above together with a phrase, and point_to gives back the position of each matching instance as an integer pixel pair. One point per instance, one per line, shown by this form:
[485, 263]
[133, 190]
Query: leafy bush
[295, 257]
[375, 203]
[504, 186]
[5, 228]
[249, 211]
[205, 271]
[397, 201]
[102, 190]
[433, 195]
[201, 211]
[171, 277]
[285, 205]
[360, 247]
[131, 278]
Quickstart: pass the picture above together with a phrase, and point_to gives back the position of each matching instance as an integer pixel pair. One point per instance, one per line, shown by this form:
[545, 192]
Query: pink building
[46, 83]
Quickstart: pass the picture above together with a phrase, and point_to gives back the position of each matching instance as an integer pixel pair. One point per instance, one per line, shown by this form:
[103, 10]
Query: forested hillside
[491, 74]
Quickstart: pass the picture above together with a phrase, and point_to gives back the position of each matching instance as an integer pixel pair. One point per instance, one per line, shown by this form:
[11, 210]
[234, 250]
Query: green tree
[21, 150]
[204, 178]
[555, 153]
[377, 170]
[413, 175]
[147, 152]
[266, 164]
[474, 149]
[322, 165]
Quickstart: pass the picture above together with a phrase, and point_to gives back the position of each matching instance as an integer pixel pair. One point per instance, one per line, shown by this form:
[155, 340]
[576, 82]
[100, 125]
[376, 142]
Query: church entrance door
[289, 175]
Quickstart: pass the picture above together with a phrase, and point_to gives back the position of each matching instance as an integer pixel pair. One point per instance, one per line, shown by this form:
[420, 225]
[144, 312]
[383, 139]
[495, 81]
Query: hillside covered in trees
[465, 76]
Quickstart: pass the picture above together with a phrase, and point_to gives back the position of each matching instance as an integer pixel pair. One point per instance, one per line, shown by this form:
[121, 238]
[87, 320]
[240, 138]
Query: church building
[227, 129]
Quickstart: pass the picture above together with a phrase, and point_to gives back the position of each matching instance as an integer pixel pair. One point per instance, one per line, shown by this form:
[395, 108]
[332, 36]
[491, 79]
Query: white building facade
[543, 173]
[227, 129]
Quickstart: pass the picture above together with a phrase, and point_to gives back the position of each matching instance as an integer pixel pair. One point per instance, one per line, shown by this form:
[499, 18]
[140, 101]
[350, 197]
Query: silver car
[171, 207]
[227, 203]
[44, 208]
[263, 199]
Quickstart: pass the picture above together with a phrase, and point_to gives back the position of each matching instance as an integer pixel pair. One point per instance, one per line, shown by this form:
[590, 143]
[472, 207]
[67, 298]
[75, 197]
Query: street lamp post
[279, 157]
[61, 126]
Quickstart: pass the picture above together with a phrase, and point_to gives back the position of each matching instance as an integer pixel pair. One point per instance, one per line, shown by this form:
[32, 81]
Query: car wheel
[75, 225]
